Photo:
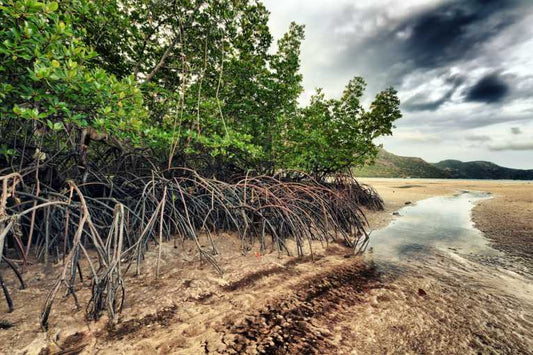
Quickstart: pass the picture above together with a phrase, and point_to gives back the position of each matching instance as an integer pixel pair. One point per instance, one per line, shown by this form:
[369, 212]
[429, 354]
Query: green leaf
[61, 27]
[58, 126]
[52, 6]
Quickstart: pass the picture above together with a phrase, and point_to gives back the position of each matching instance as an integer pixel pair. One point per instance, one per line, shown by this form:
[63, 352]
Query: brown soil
[298, 324]
[325, 304]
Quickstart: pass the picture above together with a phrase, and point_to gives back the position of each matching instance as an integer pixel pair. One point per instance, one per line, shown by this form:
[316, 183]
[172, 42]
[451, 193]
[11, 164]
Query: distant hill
[482, 170]
[390, 165]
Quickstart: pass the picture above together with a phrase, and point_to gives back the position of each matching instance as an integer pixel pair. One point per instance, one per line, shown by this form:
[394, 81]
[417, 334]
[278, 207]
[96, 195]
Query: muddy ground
[506, 219]
[326, 304]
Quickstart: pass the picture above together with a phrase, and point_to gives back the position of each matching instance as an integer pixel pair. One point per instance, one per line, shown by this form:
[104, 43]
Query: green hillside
[482, 170]
[390, 165]
[394, 166]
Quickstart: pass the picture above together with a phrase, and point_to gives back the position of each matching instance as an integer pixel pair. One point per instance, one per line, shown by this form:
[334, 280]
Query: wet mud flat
[409, 310]
[435, 288]
[192, 310]
[435, 223]
[506, 219]
[300, 323]
[409, 295]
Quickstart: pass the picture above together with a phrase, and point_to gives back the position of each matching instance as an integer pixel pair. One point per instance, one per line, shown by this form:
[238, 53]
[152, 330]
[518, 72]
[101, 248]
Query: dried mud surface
[325, 304]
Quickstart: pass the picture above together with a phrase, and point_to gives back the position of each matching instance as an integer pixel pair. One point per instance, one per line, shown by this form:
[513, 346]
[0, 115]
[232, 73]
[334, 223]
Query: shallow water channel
[447, 284]
[438, 223]
[438, 234]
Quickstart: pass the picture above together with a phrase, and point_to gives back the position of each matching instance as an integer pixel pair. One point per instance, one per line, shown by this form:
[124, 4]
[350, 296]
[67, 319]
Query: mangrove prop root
[6, 295]
[120, 217]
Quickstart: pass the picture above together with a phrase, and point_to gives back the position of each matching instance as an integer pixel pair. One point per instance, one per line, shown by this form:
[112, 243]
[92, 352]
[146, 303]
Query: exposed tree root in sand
[74, 344]
[130, 327]
[4, 324]
[106, 226]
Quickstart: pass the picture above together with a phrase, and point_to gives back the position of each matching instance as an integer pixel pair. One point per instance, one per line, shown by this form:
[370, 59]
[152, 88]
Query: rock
[396, 213]
[421, 292]
[408, 202]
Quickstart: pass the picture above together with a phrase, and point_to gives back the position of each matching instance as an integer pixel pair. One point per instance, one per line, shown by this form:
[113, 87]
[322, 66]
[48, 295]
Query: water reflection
[435, 223]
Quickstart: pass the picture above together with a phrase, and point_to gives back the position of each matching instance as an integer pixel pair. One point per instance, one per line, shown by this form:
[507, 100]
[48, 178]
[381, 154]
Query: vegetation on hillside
[393, 166]
[125, 123]
[482, 170]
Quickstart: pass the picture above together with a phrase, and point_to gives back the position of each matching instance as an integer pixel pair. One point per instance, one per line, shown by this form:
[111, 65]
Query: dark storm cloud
[489, 89]
[516, 130]
[421, 102]
[434, 38]
[448, 122]
[455, 30]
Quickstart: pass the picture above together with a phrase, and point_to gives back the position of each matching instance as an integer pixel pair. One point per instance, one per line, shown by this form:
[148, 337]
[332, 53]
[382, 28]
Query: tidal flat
[469, 294]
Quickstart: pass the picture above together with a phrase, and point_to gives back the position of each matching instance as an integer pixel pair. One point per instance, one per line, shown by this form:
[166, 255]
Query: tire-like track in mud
[298, 323]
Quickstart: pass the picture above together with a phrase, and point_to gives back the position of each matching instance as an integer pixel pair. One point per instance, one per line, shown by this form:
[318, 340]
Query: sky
[463, 69]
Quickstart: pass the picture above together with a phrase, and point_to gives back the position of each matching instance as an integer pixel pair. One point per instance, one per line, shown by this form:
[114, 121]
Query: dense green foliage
[48, 80]
[331, 135]
[183, 83]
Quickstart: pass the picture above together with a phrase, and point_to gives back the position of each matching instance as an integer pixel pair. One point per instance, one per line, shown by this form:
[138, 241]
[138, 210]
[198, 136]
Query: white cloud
[372, 38]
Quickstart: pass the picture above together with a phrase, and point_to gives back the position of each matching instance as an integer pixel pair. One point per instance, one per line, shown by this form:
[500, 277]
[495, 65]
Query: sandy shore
[329, 304]
[506, 219]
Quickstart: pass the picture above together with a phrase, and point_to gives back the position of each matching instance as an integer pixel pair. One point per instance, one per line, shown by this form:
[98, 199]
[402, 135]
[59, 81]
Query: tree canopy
[130, 122]
[187, 83]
